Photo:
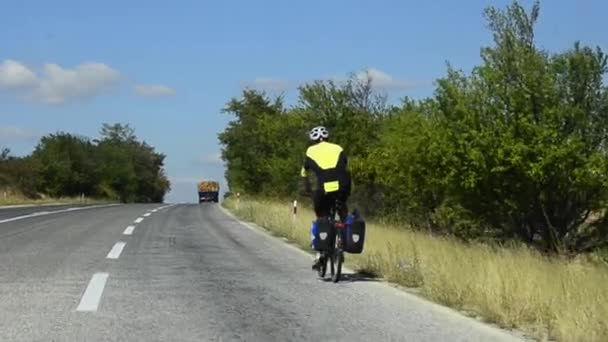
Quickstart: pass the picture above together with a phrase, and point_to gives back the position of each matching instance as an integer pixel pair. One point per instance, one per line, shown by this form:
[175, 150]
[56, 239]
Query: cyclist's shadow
[355, 277]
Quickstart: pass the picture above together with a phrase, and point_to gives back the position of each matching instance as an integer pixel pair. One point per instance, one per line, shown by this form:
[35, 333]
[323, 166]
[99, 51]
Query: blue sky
[167, 68]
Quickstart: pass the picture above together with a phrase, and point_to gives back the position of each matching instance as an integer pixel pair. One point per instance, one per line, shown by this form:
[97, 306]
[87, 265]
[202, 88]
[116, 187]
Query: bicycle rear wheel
[332, 263]
[323, 267]
[339, 257]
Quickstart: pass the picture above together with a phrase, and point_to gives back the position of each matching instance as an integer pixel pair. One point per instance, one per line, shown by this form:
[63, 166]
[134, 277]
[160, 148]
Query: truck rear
[208, 191]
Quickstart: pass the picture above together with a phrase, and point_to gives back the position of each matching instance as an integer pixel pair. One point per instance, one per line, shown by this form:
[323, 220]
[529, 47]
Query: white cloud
[57, 85]
[379, 79]
[268, 84]
[15, 75]
[153, 90]
[382, 80]
[12, 133]
[214, 159]
[185, 180]
[86, 80]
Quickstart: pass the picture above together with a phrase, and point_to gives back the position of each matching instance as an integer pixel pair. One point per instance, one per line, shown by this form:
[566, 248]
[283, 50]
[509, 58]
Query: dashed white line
[92, 295]
[129, 230]
[116, 250]
[147, 214]
[139, 219]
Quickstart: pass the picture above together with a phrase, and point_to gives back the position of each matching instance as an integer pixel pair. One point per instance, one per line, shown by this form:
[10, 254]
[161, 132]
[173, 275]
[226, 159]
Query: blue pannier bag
[322, 237]
[355, 234]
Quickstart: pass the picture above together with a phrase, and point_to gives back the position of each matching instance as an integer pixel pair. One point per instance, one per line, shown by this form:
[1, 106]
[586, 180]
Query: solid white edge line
[129, 230]
[116, 250]
[92, 295]
[44, 213]
[139, 219]
[263, 231]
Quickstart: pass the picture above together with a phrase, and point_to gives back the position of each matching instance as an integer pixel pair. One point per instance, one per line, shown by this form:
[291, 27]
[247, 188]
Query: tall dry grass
[515, 287]
[8, 197]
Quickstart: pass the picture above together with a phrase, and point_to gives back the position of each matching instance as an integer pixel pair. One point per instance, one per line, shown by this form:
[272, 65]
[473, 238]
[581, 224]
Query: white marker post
[238, 200]
[295, 210]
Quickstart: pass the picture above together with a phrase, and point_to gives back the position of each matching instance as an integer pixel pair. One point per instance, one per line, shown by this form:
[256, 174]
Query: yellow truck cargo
[208, 191]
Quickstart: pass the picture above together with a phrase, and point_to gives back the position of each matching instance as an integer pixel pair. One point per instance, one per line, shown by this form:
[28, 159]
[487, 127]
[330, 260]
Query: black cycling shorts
[323, 203]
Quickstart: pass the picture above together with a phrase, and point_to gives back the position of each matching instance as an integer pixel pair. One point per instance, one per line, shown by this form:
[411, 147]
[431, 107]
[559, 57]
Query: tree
[5, 154]
[248, 141]
[525, 130]
[131, 170]
[66, 164]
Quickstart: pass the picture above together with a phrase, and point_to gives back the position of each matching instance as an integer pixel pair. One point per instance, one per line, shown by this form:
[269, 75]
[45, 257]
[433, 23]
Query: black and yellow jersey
[328, 162]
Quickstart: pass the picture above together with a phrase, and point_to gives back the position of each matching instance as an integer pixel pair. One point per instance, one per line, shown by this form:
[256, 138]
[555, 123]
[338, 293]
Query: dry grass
[13, 198]
[514, 287]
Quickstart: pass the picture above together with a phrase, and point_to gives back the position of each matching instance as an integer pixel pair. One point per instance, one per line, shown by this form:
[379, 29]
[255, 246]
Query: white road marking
[139, 219]
[129, 230]
[147, 214]
[116, 250]
[92, 295]
[44, 213]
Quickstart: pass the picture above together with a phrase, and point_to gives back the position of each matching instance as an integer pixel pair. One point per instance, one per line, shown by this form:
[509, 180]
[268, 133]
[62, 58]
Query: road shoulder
[409, 293]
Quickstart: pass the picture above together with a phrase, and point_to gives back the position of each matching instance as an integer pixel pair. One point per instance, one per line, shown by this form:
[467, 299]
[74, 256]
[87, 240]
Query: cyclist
[329, 164]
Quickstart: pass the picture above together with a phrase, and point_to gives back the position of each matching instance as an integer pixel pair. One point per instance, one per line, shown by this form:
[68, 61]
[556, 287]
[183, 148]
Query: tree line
[116, 166]
[514, 150]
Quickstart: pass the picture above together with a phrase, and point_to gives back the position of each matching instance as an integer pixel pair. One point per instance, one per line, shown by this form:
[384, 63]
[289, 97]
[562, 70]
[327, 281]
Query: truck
[208, 191]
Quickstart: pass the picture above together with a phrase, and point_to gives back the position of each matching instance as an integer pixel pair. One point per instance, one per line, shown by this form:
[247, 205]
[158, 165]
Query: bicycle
[335, 256]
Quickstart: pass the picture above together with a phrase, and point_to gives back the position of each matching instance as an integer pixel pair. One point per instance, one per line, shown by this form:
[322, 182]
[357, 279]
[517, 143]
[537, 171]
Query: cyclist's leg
[342, 210]
[342, 205]
[319, 200]
[342, 196]
[321, 208]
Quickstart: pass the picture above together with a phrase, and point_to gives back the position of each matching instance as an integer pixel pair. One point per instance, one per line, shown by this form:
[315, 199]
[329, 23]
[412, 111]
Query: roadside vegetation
[516, 287]
[9, 197]
[67, 167]
[492, 192]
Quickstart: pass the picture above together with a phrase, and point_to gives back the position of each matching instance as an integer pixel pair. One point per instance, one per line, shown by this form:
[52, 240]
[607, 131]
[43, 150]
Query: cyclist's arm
[305, 187]
[343, 160]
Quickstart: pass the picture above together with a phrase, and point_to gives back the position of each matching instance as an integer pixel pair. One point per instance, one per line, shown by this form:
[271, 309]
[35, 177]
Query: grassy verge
[514, 287]
[16, 199]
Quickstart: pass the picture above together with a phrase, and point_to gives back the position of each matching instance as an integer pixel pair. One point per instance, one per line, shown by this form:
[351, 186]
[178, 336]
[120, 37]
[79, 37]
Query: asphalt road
[190, 273]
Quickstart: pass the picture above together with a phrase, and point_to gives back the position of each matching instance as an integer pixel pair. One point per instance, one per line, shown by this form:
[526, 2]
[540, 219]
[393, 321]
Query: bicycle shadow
[355, 277]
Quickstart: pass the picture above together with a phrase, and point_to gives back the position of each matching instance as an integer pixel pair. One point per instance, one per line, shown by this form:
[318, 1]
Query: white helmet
[318, 133]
